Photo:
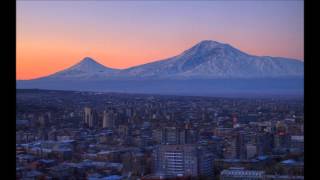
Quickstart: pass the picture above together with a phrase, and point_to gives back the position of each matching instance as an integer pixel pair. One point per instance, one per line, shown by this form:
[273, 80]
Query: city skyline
[123, 34]
[88, 135]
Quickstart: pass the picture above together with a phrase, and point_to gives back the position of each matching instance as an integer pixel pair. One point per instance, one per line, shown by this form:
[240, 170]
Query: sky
[53, 35]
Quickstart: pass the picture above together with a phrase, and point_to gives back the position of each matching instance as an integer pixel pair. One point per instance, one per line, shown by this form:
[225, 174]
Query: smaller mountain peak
[88, 63]
[88, 59]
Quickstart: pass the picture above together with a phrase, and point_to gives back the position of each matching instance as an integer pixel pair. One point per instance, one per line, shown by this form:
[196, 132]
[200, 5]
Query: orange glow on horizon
[41, 59]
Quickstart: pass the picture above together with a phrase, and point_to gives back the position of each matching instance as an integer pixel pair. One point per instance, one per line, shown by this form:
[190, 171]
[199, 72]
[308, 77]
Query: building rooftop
[241, 172]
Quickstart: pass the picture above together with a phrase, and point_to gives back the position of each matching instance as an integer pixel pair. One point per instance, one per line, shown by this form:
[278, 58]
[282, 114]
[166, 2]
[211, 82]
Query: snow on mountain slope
[210, 59]
[207, 59]
[208, 68]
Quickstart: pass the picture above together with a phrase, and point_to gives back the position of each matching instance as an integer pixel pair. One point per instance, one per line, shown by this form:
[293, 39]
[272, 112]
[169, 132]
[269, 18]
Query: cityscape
[159, 90]
[90, 135]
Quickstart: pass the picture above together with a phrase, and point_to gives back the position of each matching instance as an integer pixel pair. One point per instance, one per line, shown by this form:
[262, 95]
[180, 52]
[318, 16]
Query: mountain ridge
[206, 59]
[208, 67]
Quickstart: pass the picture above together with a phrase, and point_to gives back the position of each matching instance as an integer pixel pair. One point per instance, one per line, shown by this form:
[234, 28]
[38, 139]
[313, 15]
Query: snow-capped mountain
[85, 69]
[207, 59]
[211, 59]
[208, 68]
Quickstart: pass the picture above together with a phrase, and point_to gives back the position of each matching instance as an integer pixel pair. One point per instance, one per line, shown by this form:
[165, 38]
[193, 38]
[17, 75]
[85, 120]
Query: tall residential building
[297, 142]
[281, 137]
[241, 146]
[190, 136]
[108, 120]
[265, 143]
[216, 146]
[183, 160]
[90, 117]
[173, 135]
[251, 150]
[282, 141]
[230, 148]
[87, 114]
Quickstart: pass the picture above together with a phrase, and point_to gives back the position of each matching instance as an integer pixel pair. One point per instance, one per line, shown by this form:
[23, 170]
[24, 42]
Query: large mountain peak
[209, 46]
[209, 43]
[212, 59]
